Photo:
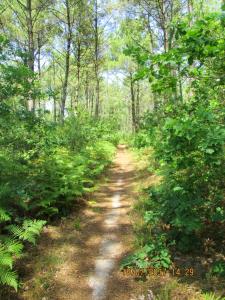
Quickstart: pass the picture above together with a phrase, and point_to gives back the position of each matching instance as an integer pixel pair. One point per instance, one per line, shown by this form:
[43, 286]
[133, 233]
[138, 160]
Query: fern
[29, 231]
[13, 246]
[8, 250]
[4, 216]
[5, 258]
[8, 277]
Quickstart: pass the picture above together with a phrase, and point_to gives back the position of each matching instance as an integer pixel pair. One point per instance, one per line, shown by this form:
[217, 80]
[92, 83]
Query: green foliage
[187, 134]
[29, 230]
[141, 139]
[44, 166]
[212, 296]
[9, 249]
[8, 277]
[218, 269]
[42, 175]
[77, 224]
[154, 254]
[17, 81]
[190, 148]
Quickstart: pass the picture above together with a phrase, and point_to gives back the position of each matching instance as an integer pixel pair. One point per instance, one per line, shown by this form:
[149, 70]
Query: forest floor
[78, 257]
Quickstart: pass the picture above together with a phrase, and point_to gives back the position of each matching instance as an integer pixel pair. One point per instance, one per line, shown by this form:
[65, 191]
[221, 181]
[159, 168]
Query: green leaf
[209, 151]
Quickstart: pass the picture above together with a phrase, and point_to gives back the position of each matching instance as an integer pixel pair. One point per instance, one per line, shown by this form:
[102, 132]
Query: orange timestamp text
[188, 272]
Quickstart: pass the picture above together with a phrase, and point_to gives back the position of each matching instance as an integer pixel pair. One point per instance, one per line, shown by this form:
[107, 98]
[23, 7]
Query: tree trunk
[180, 85]
[30, 36]
[190, 6]
[190, 10]
[133, 111]
[87, 91]
[67, 62]
[78, 71]
[92, 103]
[97, 98]
[137, 104]
[30, 45]
[54, 97]
[165, 38]
[39, 65]
[150, 34]
[96, 63]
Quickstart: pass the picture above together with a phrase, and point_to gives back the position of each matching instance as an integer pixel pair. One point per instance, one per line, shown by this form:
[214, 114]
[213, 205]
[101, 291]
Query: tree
[26, 27]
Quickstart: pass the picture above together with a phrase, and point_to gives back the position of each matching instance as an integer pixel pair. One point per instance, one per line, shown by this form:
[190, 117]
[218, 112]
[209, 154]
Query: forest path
[93, 270]
[89, 256]
[114, 226]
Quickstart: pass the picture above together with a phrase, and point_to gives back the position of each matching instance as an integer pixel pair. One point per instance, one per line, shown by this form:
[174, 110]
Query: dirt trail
[90, 257]
[93, 273]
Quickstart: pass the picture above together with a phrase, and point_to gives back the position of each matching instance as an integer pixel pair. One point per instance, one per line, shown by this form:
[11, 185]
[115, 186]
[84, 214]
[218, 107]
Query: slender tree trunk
[39, 64]
[133, 111]
[138, 104]
[30, 45]
[96, 63]
[180, 85]
[150, 33]
[190, 6]
[30, 35]
[87, 91]
[190, 10]
[54, 97]
[92, 103]
[78, 71]
[67, 62]
[97, 98]
[165, 38]
[39, 56]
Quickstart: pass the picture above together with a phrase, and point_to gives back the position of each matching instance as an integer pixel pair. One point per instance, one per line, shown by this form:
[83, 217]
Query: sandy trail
[106, 237]
[91, 256]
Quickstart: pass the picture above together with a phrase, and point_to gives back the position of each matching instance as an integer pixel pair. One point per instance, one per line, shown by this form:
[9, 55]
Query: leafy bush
[218, 269]
[187, 134]
[190, 148]
[153, 254]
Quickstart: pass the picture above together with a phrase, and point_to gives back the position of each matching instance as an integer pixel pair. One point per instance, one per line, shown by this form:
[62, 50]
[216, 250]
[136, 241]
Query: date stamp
[178, 272]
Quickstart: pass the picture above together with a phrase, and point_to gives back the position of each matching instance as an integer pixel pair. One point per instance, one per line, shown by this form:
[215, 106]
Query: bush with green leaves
[153, 254]
[188, 135]
[190, 148]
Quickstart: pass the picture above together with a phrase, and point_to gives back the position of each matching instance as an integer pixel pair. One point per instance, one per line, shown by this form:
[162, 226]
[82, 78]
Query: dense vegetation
[75, 76]
[44, 166]
[187, 134]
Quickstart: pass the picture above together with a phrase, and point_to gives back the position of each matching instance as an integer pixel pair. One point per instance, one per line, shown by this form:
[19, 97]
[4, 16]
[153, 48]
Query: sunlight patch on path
[110, 247]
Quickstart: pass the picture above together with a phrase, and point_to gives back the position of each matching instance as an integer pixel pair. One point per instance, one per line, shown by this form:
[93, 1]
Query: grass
[212, 296]
[94, 208]
[97, 209]
[77, 224]
[92, 202]
[52, 260]
[174, 290]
